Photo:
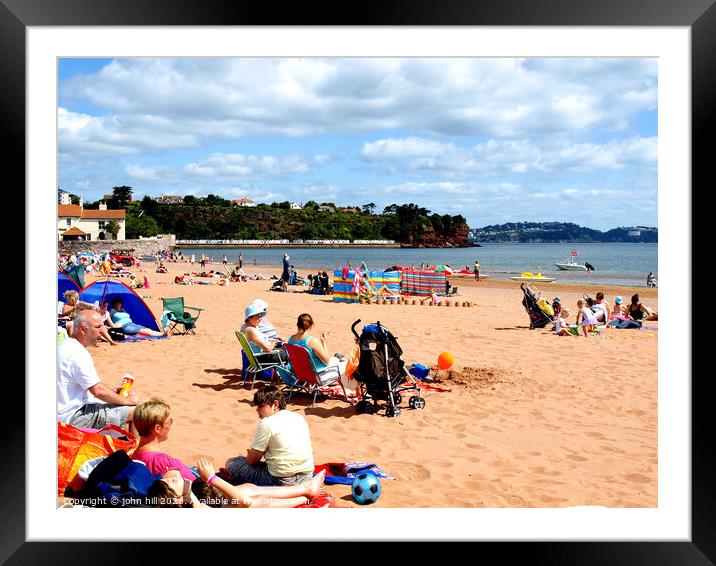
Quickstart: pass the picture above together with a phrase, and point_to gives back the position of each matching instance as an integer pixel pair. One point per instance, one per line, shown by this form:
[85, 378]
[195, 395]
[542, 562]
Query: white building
[75, 222]
[295, 206]
[243, 201]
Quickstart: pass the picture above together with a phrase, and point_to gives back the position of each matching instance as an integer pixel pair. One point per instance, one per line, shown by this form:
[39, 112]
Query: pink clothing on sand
[160, 463]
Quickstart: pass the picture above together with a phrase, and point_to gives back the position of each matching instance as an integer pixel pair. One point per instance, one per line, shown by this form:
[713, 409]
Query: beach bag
[116, 334]
[75, 446]
[119, 481]
[353, 360]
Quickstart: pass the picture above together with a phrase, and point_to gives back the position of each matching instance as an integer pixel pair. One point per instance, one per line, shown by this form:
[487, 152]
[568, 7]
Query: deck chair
[176, 314]
[255, 367]
[308, 378]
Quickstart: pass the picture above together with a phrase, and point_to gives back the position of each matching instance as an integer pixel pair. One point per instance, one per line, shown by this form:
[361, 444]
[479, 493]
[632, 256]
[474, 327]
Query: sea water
[625, 264]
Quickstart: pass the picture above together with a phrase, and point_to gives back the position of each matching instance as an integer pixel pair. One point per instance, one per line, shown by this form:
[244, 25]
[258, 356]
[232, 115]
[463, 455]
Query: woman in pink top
[154, 426]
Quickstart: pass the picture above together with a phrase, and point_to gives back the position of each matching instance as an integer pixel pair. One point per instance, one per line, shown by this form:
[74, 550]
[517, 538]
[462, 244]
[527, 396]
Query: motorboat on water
[570, 264]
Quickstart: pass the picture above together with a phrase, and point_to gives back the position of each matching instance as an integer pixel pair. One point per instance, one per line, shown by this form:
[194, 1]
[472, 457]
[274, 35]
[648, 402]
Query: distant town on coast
[212, 219]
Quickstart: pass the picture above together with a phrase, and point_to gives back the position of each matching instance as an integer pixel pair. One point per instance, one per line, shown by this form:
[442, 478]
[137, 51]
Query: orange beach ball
[445, 360]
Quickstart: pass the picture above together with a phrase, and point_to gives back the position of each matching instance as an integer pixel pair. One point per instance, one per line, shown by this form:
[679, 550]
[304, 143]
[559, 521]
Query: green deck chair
[176, 314]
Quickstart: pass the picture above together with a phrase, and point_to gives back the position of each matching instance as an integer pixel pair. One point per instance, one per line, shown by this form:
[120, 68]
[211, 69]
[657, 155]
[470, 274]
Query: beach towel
[345, 472]
[76, 446]
[323, 501]
[137, 338]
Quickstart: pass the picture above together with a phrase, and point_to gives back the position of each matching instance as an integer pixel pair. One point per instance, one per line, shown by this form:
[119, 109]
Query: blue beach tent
[65, 284]
[133, 303]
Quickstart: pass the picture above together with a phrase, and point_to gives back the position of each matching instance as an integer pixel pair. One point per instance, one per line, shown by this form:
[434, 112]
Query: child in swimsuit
[587, 318]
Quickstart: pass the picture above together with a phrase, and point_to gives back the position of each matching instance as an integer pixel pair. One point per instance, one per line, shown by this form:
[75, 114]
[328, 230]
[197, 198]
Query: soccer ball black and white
[366, 488]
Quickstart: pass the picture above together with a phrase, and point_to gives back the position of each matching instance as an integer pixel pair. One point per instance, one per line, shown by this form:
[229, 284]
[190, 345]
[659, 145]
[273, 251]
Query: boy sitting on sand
[282, 440]
[562, 327]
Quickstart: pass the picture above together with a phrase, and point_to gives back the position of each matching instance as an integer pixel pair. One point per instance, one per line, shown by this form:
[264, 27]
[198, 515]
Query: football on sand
[366, 488]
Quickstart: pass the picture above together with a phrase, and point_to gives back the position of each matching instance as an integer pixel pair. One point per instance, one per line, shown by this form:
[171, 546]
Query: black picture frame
[698, 15]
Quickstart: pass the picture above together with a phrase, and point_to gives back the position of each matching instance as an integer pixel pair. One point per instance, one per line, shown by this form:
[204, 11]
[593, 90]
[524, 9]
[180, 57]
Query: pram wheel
[397, 399]
[364, 408]
[416, 402]
[392, 412]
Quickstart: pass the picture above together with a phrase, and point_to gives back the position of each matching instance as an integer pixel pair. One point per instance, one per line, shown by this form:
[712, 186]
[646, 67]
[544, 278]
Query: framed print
[670, 521]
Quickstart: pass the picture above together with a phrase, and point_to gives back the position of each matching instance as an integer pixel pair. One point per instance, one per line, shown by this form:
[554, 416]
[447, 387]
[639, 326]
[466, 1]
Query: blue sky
[496, 140]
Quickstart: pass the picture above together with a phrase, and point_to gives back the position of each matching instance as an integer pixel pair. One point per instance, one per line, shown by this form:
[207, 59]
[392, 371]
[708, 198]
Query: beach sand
[530, 419]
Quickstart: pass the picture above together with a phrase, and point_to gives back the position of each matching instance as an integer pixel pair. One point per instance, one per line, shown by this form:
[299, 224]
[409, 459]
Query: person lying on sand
[250, 495]
[121, 319]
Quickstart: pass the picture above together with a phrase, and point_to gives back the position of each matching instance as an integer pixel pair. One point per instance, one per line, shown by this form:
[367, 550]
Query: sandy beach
[530, 419]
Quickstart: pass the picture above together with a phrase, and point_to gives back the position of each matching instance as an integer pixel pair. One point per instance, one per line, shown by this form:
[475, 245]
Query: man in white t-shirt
[82, 399]
[282, 440]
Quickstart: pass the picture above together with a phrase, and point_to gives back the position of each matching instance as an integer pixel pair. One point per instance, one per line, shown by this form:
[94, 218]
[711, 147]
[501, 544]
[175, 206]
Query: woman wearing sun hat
[618, 309]
[260, 345]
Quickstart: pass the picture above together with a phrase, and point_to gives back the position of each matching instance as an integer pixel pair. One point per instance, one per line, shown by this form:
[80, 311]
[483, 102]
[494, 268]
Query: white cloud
[230, 165]
[177, 102]
[140, 172]
[499, 157]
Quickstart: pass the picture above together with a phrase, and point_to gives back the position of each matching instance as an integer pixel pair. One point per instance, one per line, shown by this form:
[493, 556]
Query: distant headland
[560, 232]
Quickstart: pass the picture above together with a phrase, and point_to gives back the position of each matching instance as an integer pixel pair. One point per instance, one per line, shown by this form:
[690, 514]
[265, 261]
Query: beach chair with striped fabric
[254, 366]
[308, 378]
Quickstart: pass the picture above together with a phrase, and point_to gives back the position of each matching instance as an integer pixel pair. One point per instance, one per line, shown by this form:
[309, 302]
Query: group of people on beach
[594, 314]
[277, 470]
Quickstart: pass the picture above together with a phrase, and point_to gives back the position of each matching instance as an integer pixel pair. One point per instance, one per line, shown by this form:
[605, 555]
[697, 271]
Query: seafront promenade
[288, 243]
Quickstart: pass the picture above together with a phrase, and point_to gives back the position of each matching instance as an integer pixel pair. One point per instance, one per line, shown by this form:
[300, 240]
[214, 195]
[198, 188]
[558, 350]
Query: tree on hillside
[122, 196]
[113, 228]
[189, 200]
[143, 225]
[368, 208]
[149, 205]
[215, 200]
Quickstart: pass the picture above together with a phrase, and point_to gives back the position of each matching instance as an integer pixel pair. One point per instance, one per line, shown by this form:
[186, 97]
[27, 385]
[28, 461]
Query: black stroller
[381, 373]
[539, 316]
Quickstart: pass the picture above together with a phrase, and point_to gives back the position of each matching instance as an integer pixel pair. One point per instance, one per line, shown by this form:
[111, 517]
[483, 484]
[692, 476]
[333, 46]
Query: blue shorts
[243, 472]
[131, 328]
